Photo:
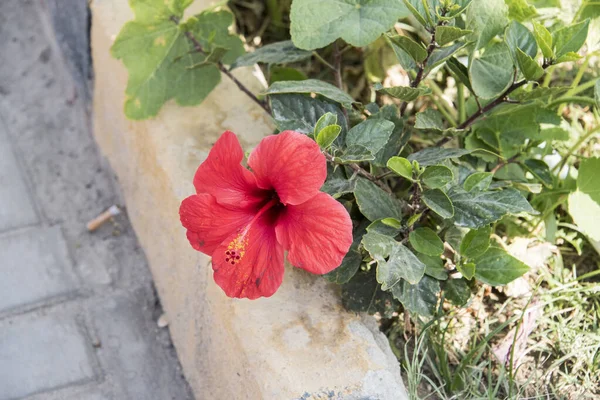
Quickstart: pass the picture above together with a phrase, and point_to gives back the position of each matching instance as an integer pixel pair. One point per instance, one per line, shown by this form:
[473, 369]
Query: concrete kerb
[298, 344]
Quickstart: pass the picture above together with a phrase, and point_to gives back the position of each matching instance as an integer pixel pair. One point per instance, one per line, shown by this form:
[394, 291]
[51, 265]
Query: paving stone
[39, 354]
[35, 267]
[16, 206]
[139, 364]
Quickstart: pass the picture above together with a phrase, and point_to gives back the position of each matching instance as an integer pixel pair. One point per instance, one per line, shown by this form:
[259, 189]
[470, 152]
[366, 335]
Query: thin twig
[223, 69]
[360, 171]
[503, 163]
[337, 64]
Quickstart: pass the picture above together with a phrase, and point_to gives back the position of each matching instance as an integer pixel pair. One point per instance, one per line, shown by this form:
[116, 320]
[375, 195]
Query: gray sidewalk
[78, 311]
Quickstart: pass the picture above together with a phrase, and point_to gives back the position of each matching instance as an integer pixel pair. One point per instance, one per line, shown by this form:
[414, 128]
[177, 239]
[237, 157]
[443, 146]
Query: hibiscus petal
[250, 264]
[292, 164]
[210, 223]
[222, 175]
[317, 234]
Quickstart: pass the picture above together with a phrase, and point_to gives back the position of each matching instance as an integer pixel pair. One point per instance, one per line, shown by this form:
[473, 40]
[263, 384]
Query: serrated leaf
[421, 298]
[457, 291]
[426, 241]
[412, 48]
[543, 37]
[437, 176]
[160, 59]
[496, 267]
[467, 270]
[570, 39]
[374, 203]
[554, 133]
[327, 135]
[395, 262]
[275, 53]
[478, 181]
[336, 183]
[518, 37]
[568, 57]
[429, 119]
[373, 134]
[436, 155]
[353, 154]
[540, 93]
[404, 93]
[401, 166]
[315, 24]
[475, 243]
[312, 86]
[383, 227]
[351, 262]
[520, 10]
[417, 8]
[492, 73]
[440, 55]
[398, 138]
[530, 69]
[477, 209]
[447, 34]
[439, 203]
[301, 113]
[363, 294]
[405, 60]
[486, 18]
[540, 170]
[434, 267]
[324, 121]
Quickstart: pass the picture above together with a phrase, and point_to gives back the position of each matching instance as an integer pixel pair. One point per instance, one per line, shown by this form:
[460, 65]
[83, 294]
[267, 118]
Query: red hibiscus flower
[246, 219]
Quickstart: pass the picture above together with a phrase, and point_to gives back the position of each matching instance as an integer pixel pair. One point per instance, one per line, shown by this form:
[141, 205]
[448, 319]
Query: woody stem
[360, 171]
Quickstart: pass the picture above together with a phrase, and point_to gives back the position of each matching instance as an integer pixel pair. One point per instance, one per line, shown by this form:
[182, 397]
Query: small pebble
[162, 321]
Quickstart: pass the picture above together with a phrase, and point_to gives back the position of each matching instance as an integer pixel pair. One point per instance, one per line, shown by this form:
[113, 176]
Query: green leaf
[336, 183]
[312, 86]
[518, 37]
[554, 133]
[478, 181]
[434, 267]
[496, 267]
[395, 262]
[540, 170]
[436, 155]
[597, 93]
[404, 93]
[475, 243]
[588, 181]
[416, 7]
[353, 154]
[363, 294]
[486, 18]
[429, 119]
[384, 227]
[457, 291]
[570, 39]
[460, 72]
[275, 53]
[398, 139]
[520, 10]
[301, 113]
[351, 262]
[544, 39]
[412, 48]
[440, 55]
[405, 60]
[372, 134]
[160, 59]
[315, 24]
[277, 73]
[426, 241]
[327, 136]
[586, 213]
[374, 203]
[437, 176]
[477, 209]
[401, 166]
[569, 57]
[540, 93]
[439, 203]
[421, 298]
[447, 34]
[492, 73]
[326, 120]
[530, 69]
[467, 270]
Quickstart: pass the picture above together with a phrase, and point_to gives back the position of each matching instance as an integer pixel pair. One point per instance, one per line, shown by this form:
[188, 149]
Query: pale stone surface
[300, 343]
[40, 354]
[36, 267]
